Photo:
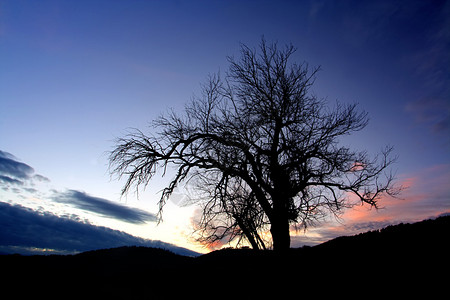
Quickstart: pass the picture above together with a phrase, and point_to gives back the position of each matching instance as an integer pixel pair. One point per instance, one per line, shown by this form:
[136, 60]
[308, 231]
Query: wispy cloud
[431, 65]
[103, 207]
[14, 172]
[10, 167]
[431, 112]
[9, 180]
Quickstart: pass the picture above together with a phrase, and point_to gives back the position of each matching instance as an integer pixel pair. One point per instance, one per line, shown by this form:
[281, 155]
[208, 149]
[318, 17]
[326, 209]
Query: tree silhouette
[261, 149]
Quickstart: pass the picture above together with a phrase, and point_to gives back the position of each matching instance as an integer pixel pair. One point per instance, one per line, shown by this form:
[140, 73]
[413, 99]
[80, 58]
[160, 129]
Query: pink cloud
[426, 194]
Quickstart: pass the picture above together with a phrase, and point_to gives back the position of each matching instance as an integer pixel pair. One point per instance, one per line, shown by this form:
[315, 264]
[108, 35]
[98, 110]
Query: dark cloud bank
[25, 231]
[13, 172]
[20, 178]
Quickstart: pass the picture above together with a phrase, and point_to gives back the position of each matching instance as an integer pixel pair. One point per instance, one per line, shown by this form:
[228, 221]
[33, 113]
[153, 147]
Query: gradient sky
[74, 75]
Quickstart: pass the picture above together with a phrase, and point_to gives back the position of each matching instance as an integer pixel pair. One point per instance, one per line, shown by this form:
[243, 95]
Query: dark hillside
[411, 253]
[414, 254]
[137, 260]
[124, 271]
[425, 237]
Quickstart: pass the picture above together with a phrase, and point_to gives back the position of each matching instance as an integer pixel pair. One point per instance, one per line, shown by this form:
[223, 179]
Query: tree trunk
[249, 236]
[280, 234]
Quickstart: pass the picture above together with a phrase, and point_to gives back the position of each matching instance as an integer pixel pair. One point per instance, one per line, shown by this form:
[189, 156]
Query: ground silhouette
[410, 256]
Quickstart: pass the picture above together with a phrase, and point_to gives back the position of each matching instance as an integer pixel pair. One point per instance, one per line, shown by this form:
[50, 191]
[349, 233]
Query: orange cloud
[215, 245]
[426, 194]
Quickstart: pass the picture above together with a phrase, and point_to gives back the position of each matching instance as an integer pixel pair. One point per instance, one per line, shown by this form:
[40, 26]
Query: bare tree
[230, 211]
[261, 148]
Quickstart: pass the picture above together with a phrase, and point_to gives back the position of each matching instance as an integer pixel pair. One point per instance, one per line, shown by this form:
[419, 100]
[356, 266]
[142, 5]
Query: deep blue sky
[76, 74]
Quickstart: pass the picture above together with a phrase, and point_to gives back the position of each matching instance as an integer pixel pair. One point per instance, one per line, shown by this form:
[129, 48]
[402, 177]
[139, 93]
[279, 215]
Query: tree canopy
[262, 151]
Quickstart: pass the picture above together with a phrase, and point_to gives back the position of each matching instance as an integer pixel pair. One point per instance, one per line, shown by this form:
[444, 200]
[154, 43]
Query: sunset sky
[75, 75]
